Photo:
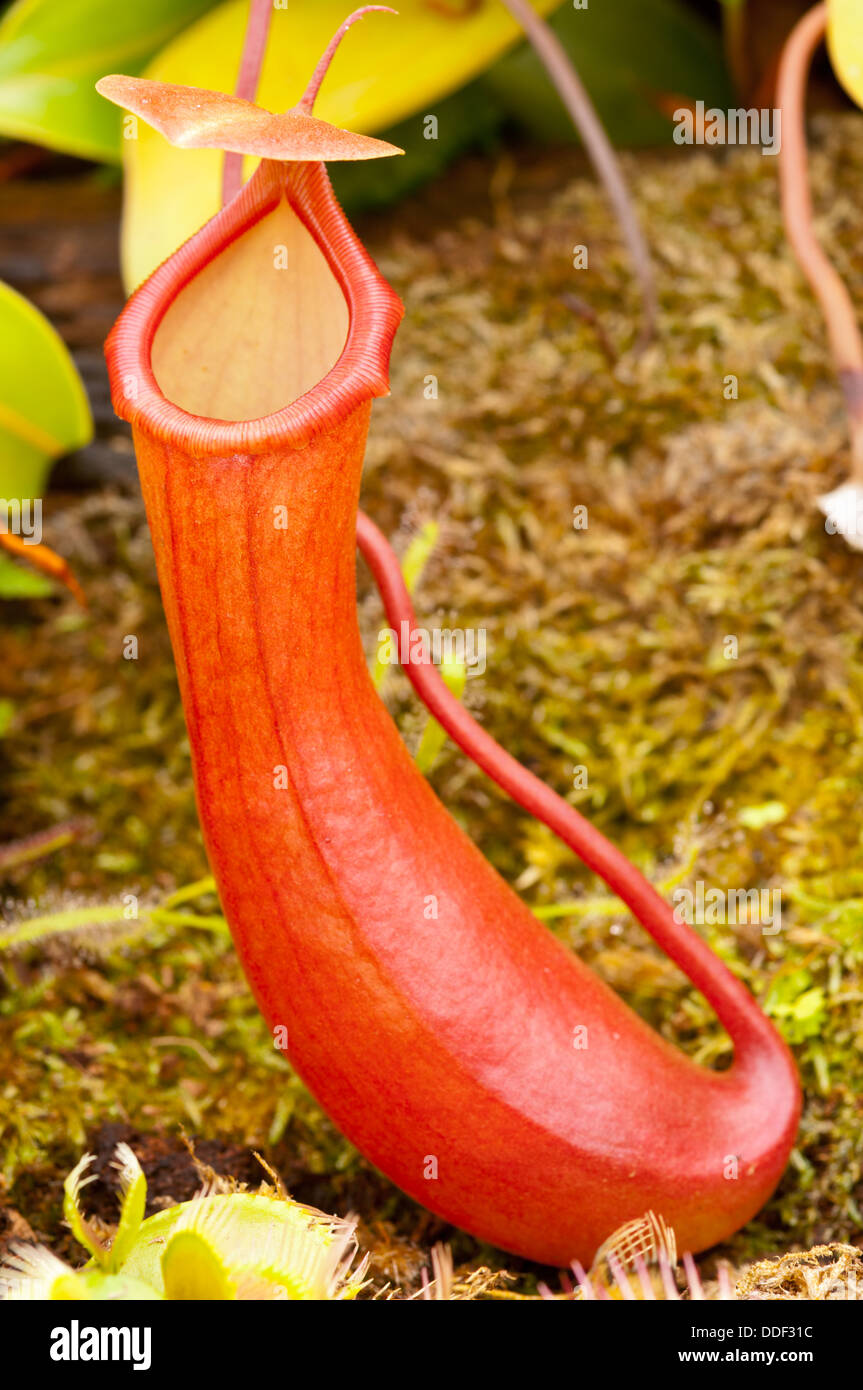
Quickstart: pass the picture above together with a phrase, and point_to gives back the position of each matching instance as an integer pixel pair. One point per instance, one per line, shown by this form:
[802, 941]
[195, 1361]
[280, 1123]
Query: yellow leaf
[387, 69]
[845, 43]
[43, 406]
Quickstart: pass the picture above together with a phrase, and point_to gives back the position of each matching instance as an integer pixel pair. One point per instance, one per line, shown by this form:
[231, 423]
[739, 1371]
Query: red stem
[307, 100]
[734, 1006]
[836, 304]
[251, 62]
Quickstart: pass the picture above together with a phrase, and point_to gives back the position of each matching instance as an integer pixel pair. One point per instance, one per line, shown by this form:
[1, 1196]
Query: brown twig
[599, 149]
[589, 315]
[836, 304]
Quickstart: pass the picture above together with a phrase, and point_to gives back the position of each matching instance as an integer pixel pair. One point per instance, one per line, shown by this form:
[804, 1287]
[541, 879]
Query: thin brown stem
[836, 304]
[599, 148]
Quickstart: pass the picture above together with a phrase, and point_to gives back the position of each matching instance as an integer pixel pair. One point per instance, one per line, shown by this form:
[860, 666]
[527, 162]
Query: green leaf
[433, 736]
[52, 52]
[418, 554]
[18, 582]
[638, 59]
[43, 406]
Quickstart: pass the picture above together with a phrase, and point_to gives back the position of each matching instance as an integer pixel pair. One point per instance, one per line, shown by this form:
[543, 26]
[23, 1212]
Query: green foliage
[798, 1005]
[637, 58]
[51, 55]
[18, 582]
[417, 554]
[76, 919]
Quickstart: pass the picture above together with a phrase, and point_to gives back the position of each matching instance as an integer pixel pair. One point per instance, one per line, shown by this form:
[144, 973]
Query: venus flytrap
[35, 1273]
[133, 1193]
[247, 1246]
[218, 1246]
[637, 1264]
